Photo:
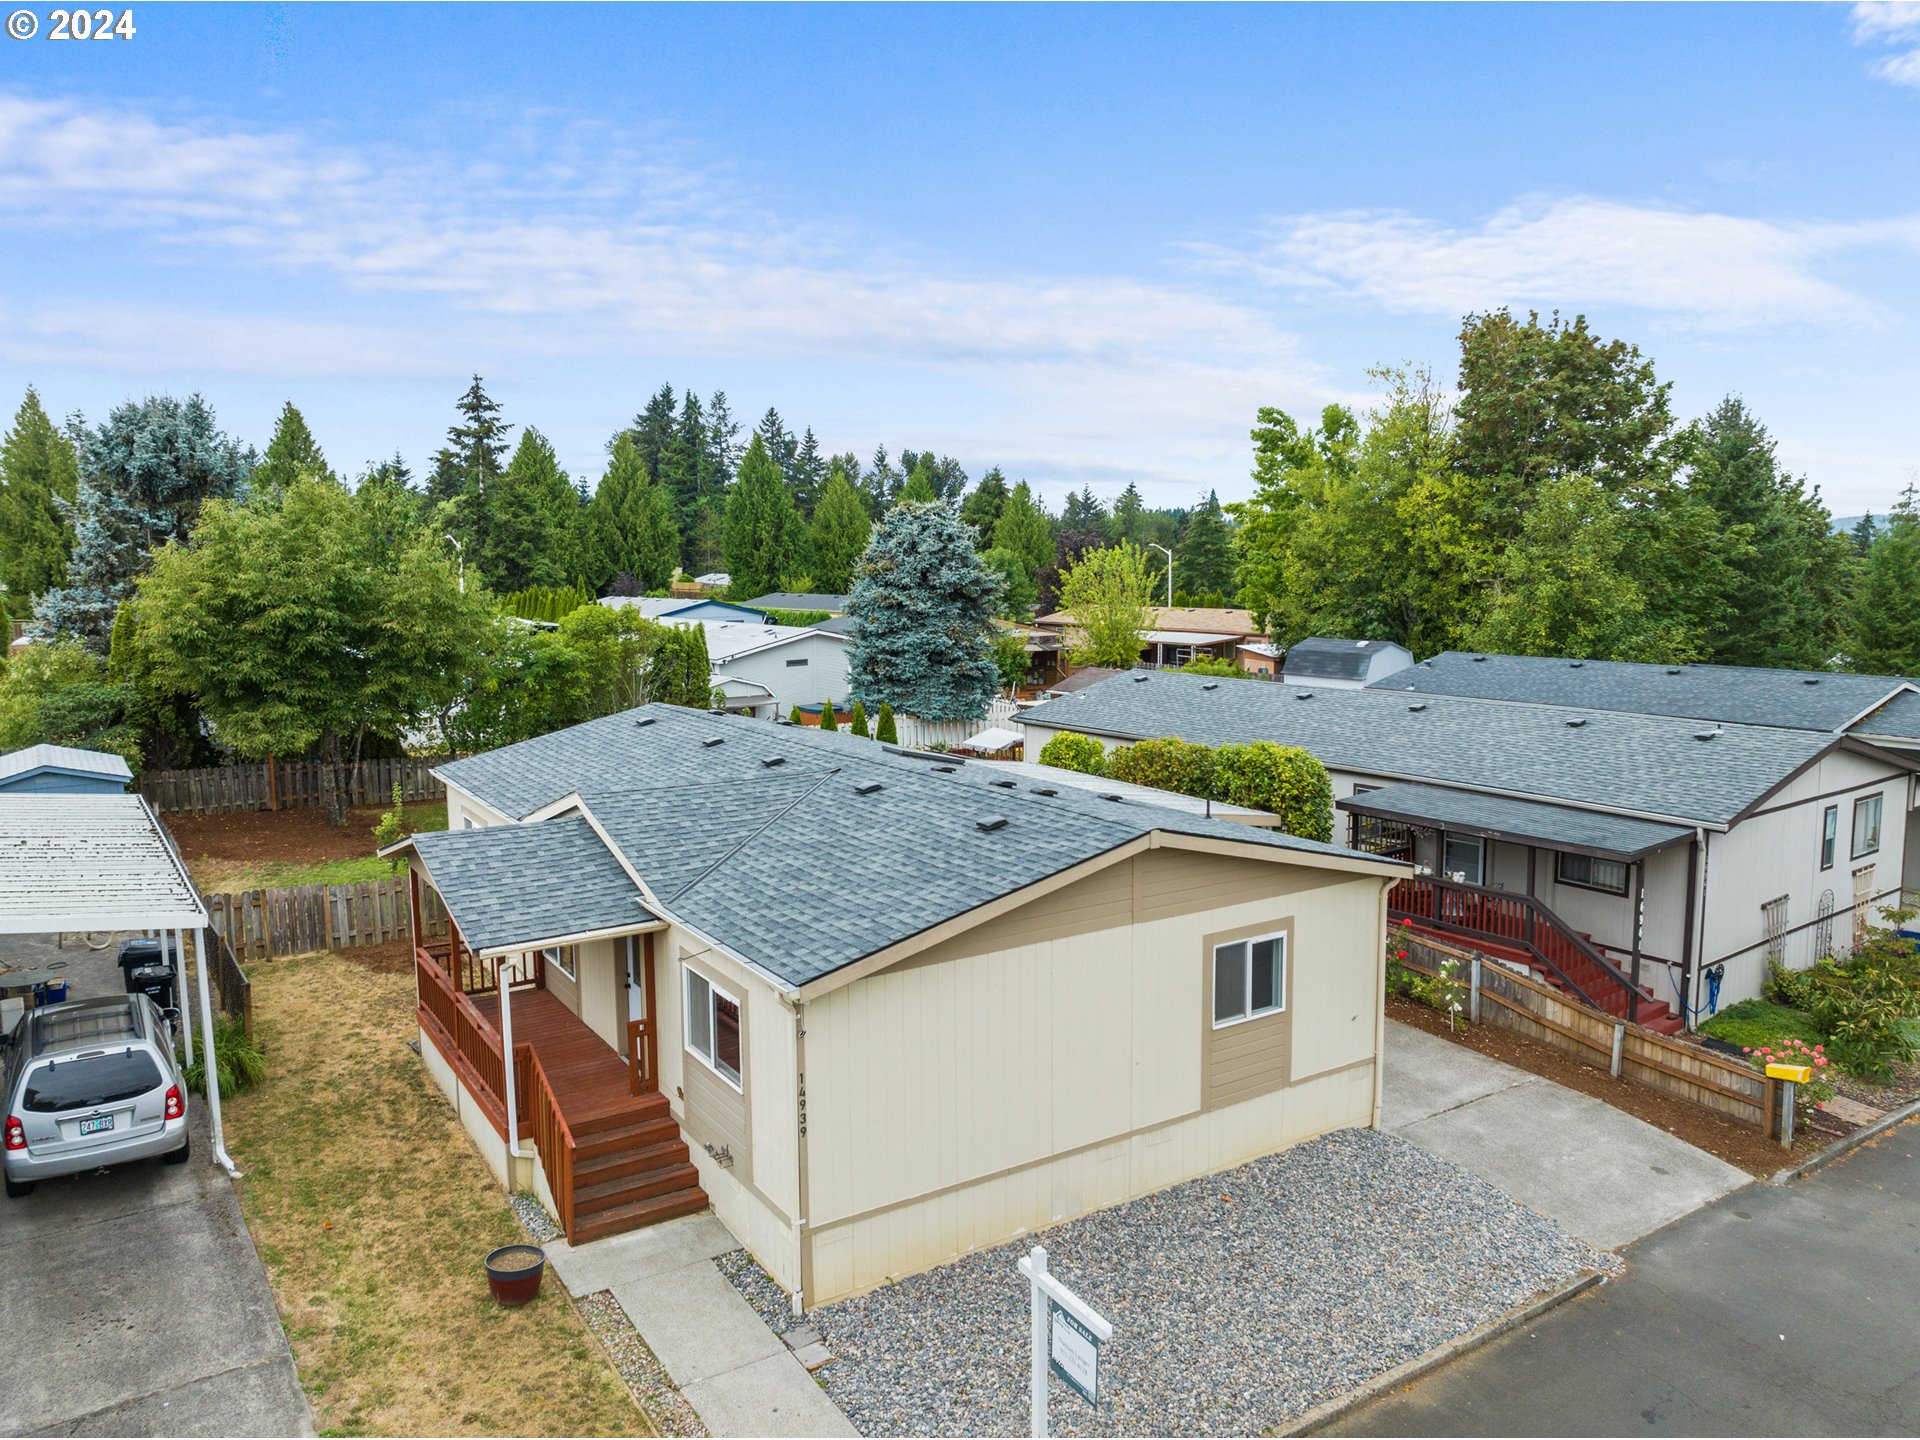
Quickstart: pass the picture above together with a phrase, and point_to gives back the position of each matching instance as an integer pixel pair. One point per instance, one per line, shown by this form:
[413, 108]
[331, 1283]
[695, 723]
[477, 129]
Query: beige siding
[967, 1096]
[600, 984]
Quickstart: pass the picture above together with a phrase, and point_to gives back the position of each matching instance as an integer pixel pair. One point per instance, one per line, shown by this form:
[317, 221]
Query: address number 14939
[90, 25]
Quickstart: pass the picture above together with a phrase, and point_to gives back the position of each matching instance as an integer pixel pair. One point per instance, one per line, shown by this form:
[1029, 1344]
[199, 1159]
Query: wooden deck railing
[471, 1042]
[1520, 921]
[643, 1061]
[551, 1135]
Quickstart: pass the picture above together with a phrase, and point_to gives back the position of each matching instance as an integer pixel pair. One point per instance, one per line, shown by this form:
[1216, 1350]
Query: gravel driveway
[1237, 1300]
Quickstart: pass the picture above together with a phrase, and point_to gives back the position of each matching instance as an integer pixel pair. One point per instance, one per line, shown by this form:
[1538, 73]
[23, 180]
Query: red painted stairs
[1655, 1014]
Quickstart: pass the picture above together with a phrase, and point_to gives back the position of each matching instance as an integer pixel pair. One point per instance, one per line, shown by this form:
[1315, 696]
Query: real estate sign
[1075, 1354]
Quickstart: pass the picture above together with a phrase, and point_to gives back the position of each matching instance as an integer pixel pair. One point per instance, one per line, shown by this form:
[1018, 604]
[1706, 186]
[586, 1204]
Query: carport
[102, 862]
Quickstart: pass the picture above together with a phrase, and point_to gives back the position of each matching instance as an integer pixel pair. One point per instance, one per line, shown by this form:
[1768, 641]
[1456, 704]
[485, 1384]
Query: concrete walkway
[736, 1372]
[1606, 1176]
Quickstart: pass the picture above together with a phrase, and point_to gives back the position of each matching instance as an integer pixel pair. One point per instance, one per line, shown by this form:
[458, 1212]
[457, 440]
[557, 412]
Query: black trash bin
[147, 968]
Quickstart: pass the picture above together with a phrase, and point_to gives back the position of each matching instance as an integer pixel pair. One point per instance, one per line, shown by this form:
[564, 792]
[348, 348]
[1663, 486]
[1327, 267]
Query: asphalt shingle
[1558, 825]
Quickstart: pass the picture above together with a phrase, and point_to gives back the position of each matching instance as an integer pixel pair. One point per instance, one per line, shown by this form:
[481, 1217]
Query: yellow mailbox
[1798, 1074]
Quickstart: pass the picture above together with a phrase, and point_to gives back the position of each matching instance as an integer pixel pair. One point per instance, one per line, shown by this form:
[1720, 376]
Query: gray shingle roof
[1898, 719]
[788, 864]
[1561, 826]
[797, 600]
[1739, 695]
[509, 885]
[1320, 658]
[1647, 765]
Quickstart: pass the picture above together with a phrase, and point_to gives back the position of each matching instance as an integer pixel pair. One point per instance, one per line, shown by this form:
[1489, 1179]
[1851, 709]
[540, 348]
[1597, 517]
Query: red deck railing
[464, 1034]
[551, 1135]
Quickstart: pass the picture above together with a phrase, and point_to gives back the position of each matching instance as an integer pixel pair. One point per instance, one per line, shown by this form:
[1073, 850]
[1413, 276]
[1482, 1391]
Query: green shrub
[828, 720]
[857, 723]
[1213, 665]
[393, 827]
[886, 734]
[1072, 751]
[1168, 763]
[238, 1060]
[1283, 779]
[1754, 1023]
[802, 619]
[794, 715]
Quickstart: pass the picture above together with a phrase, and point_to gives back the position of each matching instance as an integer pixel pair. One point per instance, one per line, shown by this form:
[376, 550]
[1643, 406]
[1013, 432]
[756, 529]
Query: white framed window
[1866, 825]
[1465, 856]
[561, 958]
[713, 1026]
[1249, 979]
[466, 822]
[1591, 874]
[1829, 835]
[796, 664]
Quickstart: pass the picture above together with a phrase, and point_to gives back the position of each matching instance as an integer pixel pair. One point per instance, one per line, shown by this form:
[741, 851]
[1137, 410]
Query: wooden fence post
[1619, 1045]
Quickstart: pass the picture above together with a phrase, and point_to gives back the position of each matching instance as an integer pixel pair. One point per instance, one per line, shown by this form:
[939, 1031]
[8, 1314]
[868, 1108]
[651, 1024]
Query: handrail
[1516, 919]
[643, 1064]
[474, 1039]
[552, 1136]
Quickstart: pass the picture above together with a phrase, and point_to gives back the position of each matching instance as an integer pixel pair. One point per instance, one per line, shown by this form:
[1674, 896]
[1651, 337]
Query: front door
[643, 1042]
[635, 979]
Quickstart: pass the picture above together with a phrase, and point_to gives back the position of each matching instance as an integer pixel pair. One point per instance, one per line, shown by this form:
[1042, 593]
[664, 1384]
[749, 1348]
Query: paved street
[1777, 1310]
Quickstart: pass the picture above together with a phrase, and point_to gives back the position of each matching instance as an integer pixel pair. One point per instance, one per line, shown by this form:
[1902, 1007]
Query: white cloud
[574, 244]
[1702, 269]
[1894, 22]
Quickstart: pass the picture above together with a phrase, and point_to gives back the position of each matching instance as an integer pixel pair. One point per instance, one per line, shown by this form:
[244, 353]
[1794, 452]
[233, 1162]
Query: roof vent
[1479, 659]
[1115, 798]
[1211, 685]
[1305, 695]
[1713, 734]
[773, 760]
[1811, 680]
[1418, 705]
[1046, 790]
[1575, 664]
[1575, 724]
[991, 823]
[1673, 670]
[781, 720]
[1004, 784]
[946, 769]
[645, 720]
[867, 787]
[1141, 679]
[713, 740]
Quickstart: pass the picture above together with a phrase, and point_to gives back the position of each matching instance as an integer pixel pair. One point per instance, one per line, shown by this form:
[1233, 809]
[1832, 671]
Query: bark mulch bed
[1716, 1134]
[291, 837]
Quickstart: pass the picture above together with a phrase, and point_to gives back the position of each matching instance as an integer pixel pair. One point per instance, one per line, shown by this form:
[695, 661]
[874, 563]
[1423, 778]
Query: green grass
[227, 877]
[1761, 1022]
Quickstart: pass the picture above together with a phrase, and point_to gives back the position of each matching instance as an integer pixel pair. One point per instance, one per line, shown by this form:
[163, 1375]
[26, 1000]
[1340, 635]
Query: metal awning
[90, 862]
[1526, 822]
[1184, 637]
[511, 888]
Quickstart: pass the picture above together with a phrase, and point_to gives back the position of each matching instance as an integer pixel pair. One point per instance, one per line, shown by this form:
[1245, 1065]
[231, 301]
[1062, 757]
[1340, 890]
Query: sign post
[1789, 1076]
[1077, 1334]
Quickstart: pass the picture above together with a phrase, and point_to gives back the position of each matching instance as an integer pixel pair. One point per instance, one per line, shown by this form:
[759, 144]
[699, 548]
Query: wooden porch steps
[631, 1168]
[1655, 1014]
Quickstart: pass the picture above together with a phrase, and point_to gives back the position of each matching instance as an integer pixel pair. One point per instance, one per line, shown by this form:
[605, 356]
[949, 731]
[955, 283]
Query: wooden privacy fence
[230, 984]
[297, 919]
[1526, 1006]
[286, 784]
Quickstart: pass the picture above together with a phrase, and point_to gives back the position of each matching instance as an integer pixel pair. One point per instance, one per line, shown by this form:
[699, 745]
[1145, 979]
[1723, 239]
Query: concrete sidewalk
[1606, 1176]
[736, 1372]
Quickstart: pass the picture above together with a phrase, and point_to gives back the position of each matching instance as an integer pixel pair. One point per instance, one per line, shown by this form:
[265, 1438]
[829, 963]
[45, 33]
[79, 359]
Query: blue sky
[1082, 243]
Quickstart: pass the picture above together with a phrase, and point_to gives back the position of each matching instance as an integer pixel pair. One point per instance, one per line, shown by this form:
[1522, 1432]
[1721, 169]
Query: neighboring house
[63, 770]
[793, 600]
[681, 607]
[1079, 680]
[1685, 854]
[1259, 657]
[766, 670]
[1351, 663]
[1046, 657]
[1176, 634]
[881, 1009]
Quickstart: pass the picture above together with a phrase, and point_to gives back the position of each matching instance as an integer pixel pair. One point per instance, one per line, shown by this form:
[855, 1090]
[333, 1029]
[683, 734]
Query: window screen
[1249, 978]
[699, 1015]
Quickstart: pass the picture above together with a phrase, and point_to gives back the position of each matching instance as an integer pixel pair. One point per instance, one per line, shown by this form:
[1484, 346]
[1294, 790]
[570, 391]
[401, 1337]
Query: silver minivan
[86, 1084]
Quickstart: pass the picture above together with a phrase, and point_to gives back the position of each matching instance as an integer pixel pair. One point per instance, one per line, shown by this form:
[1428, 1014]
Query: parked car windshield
[95, 1080]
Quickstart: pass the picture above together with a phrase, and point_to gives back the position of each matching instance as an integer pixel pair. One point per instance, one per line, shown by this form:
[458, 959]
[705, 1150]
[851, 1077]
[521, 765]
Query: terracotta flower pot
[514, 1271]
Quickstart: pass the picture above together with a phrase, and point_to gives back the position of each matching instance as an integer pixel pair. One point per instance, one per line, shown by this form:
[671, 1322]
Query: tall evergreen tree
[39, 470]
[1865, 530]
[475, 454]
[292, 451]
[533, 521]
[723, 441]
[882, 483]
[1085, 515]
[919, 489]
[1884, 638]
[780, 445]
[765, 536]
[1023, 528]
[144, 475]
[652, 430]
[809, 473]
[945, 476]
[1128, 515]
[981, 508]
[686, 465]
[840, 530]
[1206, 549]
[922, 607]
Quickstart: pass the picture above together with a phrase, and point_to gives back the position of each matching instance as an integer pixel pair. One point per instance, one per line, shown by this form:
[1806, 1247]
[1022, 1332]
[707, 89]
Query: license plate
[95, 1124]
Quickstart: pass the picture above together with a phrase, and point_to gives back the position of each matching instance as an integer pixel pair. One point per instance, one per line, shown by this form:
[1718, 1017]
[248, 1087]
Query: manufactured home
[878, 1008]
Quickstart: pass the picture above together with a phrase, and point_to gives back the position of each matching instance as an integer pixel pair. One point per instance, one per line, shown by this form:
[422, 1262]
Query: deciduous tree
[1106, 593]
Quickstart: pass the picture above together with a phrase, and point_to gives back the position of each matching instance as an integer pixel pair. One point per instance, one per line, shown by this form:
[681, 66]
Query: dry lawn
[372, 1212]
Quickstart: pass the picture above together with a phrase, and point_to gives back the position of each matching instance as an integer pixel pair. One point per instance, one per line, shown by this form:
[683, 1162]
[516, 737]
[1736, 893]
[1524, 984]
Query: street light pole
[1169, 554]
[461, 551]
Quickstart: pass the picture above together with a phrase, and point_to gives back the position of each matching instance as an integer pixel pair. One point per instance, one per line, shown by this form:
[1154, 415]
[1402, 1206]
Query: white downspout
[502, 983]
[212, 1070]
[180, 987]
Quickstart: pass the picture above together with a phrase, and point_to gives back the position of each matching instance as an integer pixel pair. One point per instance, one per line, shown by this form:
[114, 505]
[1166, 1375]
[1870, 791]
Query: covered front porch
[545, 967]
[1595, 903]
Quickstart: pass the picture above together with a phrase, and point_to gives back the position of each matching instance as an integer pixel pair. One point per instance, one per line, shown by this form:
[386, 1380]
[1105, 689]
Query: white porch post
[501, 979]
[185, 1002]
